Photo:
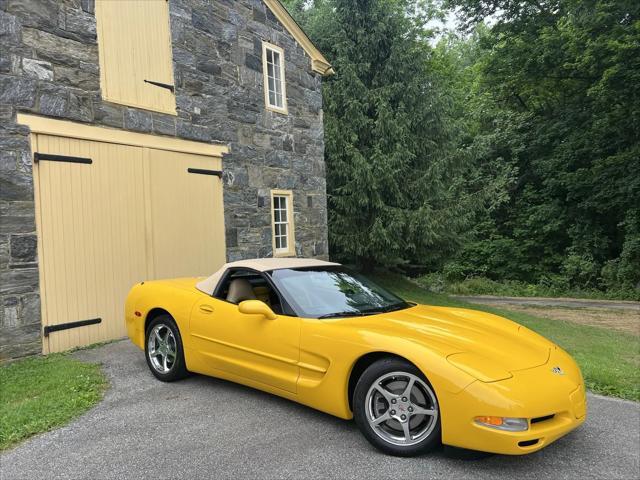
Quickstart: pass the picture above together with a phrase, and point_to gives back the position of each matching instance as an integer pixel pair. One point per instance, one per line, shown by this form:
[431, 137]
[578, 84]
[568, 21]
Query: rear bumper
[532, 394]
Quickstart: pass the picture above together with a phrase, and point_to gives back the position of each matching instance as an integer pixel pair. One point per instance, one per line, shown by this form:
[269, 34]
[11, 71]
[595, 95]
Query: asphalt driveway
[208, 428]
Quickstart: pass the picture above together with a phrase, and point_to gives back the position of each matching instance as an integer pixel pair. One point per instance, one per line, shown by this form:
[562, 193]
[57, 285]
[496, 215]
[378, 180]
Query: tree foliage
[511, 151]
[395, 193]
[559, 83]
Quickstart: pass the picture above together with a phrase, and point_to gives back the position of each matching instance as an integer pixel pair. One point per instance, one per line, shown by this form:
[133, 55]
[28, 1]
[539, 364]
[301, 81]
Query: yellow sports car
[412, 376]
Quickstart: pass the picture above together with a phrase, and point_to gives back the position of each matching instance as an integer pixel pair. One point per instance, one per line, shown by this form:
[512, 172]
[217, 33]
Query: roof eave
[319, 63]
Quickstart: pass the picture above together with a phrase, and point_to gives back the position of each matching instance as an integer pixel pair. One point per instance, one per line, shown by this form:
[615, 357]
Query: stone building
[148, 139]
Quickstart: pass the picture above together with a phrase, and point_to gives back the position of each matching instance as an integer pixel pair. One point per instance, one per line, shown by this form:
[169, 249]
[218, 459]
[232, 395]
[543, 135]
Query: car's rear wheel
[163, 349]
[396, 408]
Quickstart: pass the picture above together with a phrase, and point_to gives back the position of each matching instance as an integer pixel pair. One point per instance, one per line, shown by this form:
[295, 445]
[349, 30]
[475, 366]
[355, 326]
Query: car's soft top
[209, 284]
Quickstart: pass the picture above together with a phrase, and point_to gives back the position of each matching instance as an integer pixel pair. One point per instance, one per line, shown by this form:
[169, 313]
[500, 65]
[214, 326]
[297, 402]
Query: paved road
[552, 302]
[208, 428]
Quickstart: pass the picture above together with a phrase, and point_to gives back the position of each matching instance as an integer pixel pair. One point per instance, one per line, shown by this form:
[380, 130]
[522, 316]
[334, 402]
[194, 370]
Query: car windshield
[327, 292]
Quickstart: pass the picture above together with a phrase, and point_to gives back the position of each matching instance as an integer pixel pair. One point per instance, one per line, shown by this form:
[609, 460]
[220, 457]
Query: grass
[512, 288]
[38, 394]
[610, 360]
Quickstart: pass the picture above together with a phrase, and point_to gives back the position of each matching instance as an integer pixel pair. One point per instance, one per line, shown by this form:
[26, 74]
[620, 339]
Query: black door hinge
[162, 85]
[66, 326]
[38, 157]
[201, 171]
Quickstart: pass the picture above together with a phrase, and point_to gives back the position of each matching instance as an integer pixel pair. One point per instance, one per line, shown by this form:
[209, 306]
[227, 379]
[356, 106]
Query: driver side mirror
[256, 307]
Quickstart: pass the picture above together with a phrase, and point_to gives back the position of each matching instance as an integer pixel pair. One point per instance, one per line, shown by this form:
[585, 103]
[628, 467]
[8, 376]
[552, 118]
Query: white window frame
[290, 249]
[266, 47]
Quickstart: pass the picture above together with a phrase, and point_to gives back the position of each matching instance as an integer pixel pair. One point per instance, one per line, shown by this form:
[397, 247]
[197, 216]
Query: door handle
[206, 308]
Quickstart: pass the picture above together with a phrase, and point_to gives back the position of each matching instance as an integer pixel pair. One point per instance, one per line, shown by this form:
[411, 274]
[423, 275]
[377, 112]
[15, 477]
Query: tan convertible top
[208, 285]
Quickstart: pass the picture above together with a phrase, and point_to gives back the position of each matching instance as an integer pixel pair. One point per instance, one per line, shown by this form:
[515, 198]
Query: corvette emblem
[557, 370]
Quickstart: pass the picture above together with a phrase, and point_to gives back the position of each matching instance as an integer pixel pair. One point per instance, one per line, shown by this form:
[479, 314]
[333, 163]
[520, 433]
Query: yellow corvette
[412, 376]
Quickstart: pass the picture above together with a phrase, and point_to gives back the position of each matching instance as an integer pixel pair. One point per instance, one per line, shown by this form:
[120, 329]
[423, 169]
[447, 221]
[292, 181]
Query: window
[275, 93]
[337, 292]
[239, 285]
[134, 46]
[282, 218]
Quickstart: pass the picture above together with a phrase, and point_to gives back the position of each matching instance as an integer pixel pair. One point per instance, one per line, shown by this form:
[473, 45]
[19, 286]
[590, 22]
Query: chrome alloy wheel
[162, 348]
[401, 408]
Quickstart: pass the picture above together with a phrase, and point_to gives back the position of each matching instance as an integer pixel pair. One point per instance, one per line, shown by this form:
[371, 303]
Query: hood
[486, 346]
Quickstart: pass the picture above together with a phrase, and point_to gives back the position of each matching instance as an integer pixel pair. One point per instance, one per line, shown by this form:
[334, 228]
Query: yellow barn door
[186, 214]
[91, 237]
[109, 216]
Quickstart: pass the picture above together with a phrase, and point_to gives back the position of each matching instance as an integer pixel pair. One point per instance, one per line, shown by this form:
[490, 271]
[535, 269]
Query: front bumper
[536, 393]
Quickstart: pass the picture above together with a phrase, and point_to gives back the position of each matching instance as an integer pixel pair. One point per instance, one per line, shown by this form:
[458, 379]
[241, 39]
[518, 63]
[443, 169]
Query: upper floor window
[134, 45]
[275, 93]
[283, 230]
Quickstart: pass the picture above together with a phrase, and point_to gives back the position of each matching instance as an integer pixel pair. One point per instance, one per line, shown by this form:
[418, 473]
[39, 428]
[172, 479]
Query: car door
[250, 346]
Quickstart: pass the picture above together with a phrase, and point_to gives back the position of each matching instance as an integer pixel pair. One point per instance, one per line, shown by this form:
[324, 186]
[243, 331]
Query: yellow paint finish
[530, 393]
[310, 361]
[264, 350]
[186, 218]
[134, 45]
[92, 242]
[133, 214]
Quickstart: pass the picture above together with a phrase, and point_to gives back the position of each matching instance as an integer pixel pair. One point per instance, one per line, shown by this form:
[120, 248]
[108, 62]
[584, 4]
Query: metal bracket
[161, 85]
[38, 157]
[201, 171]
[66, 326]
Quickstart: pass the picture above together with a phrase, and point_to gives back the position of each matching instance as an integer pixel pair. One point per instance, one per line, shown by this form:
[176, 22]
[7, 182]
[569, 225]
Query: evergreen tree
[394, 189]
[559, 84]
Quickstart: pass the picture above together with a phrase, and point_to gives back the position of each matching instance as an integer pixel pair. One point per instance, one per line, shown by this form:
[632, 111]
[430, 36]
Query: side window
[240, 285]
[275, 88]
[134, 46]
[284, 243]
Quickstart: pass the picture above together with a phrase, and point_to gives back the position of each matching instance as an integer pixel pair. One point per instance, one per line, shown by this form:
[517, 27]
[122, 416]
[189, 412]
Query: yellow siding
[133, 214]
[134, 43]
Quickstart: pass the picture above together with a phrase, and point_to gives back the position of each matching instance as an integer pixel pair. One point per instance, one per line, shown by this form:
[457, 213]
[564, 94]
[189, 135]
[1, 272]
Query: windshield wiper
[346, 314]
[397, 306]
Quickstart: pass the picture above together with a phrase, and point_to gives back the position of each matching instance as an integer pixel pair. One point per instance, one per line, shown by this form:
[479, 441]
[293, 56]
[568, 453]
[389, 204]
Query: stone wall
[49, 66]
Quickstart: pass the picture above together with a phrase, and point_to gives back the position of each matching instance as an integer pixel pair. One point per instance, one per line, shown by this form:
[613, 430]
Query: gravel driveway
[208, 428]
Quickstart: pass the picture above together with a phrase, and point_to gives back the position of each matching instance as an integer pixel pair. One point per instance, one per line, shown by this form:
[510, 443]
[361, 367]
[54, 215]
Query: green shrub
[549, 286]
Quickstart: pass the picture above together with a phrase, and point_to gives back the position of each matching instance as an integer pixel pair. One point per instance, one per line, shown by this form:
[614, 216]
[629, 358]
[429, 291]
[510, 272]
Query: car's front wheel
[396, 408]
[163, 349]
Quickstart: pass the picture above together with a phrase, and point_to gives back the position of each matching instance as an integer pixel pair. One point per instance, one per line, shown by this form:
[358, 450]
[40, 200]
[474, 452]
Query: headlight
[503, 423]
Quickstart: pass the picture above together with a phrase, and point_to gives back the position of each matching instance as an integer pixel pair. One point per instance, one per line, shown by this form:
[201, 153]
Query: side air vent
[527, 443]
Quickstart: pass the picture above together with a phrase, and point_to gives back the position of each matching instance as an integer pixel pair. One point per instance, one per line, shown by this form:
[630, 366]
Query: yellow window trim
[291, 236]
[319, 63]
[283, 79]
[65, 128]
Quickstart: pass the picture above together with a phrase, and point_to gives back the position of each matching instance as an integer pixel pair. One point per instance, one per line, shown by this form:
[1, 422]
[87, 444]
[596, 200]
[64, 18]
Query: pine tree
[394, 189]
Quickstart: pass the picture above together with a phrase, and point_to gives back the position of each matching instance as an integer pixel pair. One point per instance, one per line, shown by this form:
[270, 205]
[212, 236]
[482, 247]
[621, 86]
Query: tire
[163, 349]
[385, 413]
